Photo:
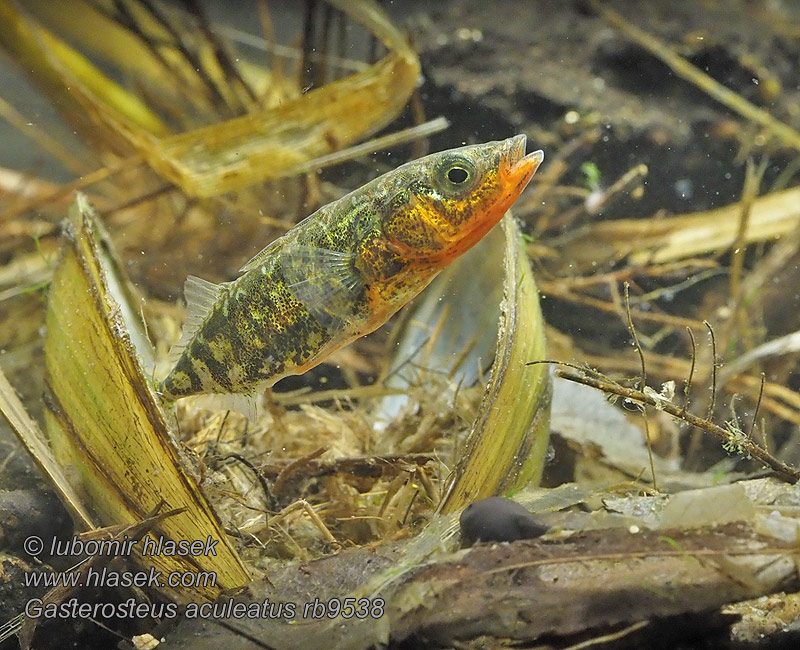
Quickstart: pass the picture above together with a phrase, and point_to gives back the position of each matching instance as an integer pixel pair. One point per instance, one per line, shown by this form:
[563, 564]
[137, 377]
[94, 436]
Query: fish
[344, 270]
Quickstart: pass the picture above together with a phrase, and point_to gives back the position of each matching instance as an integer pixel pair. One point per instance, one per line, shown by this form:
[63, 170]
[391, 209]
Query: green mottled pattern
[258, 331]
[342, 272]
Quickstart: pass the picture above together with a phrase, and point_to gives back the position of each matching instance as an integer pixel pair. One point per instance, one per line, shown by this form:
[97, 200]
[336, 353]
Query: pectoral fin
[325, 281]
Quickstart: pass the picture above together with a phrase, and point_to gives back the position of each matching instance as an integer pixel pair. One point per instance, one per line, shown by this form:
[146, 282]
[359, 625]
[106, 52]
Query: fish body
[345, 270]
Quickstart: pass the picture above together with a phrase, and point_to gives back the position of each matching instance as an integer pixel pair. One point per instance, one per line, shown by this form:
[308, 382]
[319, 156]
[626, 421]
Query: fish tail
[181, 381]
[167, 389]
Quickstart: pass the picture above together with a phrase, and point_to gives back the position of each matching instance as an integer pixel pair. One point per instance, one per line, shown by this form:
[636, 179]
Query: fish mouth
[517, 167]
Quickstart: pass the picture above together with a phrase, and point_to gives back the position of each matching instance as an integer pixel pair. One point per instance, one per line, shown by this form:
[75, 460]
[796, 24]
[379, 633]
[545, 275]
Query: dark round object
[457, 175]
[497, 519]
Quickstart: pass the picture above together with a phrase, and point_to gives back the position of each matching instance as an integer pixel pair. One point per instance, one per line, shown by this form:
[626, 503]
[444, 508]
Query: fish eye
[457, 175]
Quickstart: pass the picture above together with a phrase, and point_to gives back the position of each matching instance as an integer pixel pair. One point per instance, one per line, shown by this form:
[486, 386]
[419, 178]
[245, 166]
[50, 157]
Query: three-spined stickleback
[344, 270]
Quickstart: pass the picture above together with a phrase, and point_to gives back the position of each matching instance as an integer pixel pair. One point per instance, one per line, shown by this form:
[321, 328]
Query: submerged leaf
[86, 96]
[264, 144]
[283, 141]
[105, 424]
[656, 241]
[505, 449]
[33, 440]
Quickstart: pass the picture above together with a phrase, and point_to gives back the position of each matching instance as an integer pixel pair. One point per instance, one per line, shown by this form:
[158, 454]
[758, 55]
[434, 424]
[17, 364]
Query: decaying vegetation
[676, 492]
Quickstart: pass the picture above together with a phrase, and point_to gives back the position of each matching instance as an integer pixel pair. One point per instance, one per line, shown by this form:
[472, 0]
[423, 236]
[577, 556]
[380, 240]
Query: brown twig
[687, 390]
[728, 437]
[68, 188]
[180, 75]
[307, 64]
[556, 290]
[186, 51]
[684, 268]
[752, 182]
[369, 466]
[269, 37]
[294, 467]
[245, 95]
[642, 381]
[139, 200]
[712, 403]
[40, 136]
[259, 476]
[778, 400]
[758, 405]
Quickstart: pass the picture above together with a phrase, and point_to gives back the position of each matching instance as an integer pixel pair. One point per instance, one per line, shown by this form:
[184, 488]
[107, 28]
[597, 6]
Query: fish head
[453, 198]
